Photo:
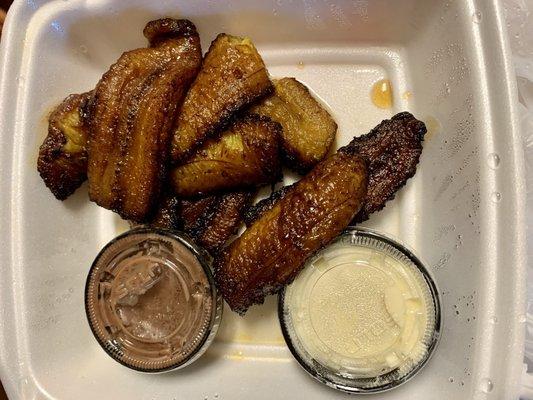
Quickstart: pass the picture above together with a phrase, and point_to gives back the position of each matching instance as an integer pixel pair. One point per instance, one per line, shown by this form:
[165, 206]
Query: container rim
[205, 260]
[435, 339]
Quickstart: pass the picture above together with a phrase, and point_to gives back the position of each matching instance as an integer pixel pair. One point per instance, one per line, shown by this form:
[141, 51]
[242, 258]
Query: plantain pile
[180, 141]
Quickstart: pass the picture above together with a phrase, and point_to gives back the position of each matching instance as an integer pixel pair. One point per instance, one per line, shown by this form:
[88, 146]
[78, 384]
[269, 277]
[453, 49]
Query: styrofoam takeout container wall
[463, 212]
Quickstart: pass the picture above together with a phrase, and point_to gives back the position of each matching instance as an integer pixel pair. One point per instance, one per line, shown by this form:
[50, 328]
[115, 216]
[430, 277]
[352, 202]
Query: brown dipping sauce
[151, 301]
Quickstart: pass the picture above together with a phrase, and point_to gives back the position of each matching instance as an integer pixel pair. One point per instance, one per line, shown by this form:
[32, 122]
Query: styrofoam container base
[462, 213]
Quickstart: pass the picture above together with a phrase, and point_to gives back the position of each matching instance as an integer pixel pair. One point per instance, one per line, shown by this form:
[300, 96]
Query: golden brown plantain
[210, 221]
[62, 161]
[271, 252]
[233, 75]
[392, 150]
[308, 129]
[245, 155]
[132, 116]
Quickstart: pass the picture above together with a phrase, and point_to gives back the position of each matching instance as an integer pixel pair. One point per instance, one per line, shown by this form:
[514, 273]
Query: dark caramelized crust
[246, 155]
[271, 252]
[192, 211]
[132, 115]
[233, 75]
[210, 221]
[220, 222]
[255, 211]
[308, 129]
[168, 214]
[392, 150]
[62, 161]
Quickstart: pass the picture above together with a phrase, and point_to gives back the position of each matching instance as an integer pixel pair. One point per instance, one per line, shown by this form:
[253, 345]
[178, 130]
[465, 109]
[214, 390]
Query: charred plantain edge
[228, 116]
[159, 30]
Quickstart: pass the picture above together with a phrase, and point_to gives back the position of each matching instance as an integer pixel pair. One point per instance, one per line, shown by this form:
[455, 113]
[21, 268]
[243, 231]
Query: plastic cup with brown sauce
[151, 300]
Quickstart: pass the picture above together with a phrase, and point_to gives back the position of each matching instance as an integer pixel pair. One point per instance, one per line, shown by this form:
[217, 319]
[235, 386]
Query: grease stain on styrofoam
[433, 127]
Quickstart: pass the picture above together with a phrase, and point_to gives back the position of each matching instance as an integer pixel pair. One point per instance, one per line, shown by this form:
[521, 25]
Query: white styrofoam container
[463, 212]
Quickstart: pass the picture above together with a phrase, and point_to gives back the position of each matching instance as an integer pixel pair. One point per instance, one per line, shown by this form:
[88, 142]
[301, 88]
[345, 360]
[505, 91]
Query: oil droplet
[493, 160]
[216, 396]
[494, 320]
[300, 65]
[382, 94]
[83, 49]
[522, 318]
[477, 17]
[496, 197]
[407, 95]
[486, 385]
[450, 379]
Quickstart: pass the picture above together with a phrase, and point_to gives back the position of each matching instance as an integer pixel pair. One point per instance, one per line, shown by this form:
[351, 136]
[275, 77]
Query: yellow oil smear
[432, 125]
[382, 94]
[407, 95]
[300, 65]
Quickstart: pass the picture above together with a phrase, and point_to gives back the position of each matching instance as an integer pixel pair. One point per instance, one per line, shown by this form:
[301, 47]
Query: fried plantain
[62, 161]
[271, 252]
[392, 150]
[218, 223]
[210, 221]
[168, 213]
[193, 210]
[246, 155]
[255, 211]
[233, 75]
[308, 129]
[132, 116]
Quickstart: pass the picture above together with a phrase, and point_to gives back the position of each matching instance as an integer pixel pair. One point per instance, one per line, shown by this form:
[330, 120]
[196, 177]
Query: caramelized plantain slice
[210, 221]
[132, 116]
[392, 150]
[233, 75]
[271, 252]
[246, 155]
[218, 223]
[308, 129]
[255, 211]
[62, 161]
[168, 213]
[193, 210]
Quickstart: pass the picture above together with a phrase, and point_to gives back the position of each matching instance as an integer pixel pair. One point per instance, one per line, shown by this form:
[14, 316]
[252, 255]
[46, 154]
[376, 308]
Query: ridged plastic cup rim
[313, 369]
[204, 258]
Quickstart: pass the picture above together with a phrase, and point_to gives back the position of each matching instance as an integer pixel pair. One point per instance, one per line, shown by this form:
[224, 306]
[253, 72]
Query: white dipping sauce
[362, 312]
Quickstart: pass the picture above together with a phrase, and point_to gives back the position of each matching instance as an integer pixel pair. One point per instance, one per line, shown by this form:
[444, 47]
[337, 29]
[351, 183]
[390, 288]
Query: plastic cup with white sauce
[363, 316]
[151, 300]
